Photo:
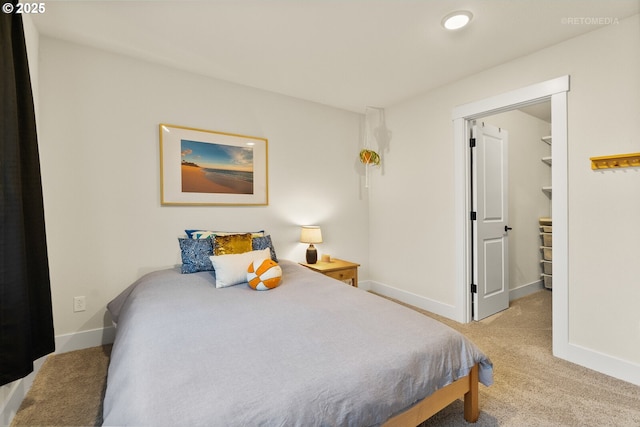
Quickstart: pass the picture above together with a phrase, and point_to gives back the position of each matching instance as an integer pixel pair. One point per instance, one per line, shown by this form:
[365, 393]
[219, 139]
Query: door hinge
[474, 288]
[473, 215]
[472, 142]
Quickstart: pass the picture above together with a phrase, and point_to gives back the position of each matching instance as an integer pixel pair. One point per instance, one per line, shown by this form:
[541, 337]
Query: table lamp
[311, 234]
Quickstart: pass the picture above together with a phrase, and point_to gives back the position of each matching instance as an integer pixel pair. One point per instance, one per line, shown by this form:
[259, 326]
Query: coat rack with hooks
[616, 161]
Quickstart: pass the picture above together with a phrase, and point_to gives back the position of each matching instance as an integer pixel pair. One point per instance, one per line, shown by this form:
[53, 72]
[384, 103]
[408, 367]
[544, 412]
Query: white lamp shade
[311, 234]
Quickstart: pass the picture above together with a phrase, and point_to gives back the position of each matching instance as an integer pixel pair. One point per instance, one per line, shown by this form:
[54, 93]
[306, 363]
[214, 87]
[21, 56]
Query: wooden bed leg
[471, 410]
[424, 409]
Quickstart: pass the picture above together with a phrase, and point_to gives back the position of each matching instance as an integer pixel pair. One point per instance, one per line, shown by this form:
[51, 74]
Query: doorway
[511, 177]
[554, 91]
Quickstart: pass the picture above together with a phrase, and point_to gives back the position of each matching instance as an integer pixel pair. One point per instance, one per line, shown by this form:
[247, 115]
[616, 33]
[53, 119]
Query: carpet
[532, 388]
[67, 391]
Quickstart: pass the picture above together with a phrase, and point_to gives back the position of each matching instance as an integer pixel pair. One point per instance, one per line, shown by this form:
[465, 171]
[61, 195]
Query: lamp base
[312, 254]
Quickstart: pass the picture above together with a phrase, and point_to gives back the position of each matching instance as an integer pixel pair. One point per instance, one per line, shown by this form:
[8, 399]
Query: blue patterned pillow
[259, 243]
[195, 255]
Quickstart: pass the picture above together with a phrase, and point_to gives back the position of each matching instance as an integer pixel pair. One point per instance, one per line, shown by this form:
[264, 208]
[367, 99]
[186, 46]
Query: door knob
[507, 228]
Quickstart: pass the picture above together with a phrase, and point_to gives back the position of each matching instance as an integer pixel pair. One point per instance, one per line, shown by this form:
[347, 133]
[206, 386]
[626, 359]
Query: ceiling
[344, 53]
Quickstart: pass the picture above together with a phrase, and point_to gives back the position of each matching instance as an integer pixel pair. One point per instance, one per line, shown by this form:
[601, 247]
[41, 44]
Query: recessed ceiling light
[457, 20]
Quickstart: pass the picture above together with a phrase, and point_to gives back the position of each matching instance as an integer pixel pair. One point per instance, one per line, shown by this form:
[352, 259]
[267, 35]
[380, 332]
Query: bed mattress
[311, 352]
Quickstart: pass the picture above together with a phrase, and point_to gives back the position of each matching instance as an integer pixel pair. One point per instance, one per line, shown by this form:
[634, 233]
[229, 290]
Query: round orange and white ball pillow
[264, 274]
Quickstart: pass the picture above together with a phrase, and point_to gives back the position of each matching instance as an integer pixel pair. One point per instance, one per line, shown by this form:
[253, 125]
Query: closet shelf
[547, 160]
[547, 190]
[546, 139]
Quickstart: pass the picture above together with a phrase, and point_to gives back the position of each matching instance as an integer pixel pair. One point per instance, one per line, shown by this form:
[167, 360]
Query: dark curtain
[26, 319]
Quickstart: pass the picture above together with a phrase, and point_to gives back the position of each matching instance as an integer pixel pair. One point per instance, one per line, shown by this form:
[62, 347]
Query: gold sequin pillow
[232, 244]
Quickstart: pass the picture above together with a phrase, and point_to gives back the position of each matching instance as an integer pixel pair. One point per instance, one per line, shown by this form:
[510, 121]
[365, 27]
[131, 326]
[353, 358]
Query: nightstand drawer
[349, 274]
[338, 269]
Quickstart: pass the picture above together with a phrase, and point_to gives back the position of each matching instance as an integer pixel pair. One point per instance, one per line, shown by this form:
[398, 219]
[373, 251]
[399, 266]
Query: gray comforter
[311, 352]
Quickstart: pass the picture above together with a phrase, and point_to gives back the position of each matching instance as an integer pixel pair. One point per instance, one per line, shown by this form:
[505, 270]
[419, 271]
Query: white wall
[527, 202]
[99, 116]
[411, 204]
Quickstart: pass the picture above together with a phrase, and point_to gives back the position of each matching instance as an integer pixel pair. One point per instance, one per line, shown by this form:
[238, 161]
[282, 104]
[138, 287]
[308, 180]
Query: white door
[491, 243]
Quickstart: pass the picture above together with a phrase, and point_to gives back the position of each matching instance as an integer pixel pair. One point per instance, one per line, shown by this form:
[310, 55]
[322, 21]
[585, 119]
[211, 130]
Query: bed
[310, 352]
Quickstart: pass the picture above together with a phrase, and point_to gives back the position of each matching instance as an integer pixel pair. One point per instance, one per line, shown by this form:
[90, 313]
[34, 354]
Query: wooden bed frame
[430, 405]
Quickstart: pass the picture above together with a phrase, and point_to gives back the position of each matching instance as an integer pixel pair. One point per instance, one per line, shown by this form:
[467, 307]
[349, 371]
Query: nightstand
[338, 269]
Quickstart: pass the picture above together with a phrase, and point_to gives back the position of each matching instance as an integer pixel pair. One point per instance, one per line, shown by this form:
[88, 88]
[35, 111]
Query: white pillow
[231, 269]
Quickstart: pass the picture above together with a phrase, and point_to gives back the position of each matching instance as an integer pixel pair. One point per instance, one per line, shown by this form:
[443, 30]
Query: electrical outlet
[79, 304]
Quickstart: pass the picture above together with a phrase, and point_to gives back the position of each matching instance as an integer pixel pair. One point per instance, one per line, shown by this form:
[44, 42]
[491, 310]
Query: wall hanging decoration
[203, 167]
[375, 133]
[369, 157]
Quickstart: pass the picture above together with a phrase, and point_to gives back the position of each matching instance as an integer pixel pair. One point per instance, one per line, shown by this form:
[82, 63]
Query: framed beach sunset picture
[203, 167]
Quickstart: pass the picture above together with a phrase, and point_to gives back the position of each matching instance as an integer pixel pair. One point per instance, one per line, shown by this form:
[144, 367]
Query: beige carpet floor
[67, 391]
[532, 388]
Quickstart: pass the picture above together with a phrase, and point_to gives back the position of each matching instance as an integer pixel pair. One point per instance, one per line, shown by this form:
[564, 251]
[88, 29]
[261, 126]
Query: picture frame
[205, 167]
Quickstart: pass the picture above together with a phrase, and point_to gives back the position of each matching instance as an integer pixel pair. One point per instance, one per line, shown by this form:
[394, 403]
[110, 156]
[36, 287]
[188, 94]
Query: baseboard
[437, 307]
[432, 306]
[604, 363]
[85, 339]
[524, 290]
